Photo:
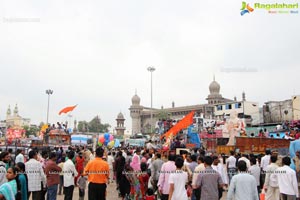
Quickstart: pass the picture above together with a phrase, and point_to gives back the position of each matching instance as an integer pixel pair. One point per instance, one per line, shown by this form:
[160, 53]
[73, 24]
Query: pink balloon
[165, 148]
[111, 138]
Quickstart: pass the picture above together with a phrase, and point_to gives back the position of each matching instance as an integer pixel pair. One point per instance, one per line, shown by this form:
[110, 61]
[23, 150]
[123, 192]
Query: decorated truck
[255, 145]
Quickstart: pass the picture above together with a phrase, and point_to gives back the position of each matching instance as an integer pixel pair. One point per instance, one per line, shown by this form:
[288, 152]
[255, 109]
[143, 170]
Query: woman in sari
[135, 189]
[143, 179]
[11, 189]
[22, 177]
[79, 165]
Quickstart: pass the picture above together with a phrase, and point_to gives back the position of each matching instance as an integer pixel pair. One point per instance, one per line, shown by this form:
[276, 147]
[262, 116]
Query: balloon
[106, 136]
[99, 144]
[111, 138]
[165, 148]
[117, 143]
[101, 139]
[111, 144]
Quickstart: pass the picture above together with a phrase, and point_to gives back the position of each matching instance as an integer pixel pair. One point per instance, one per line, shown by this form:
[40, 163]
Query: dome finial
[214, 78]
[135, 91]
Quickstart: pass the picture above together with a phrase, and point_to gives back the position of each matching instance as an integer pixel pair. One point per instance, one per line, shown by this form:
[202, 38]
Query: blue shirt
[243, 187]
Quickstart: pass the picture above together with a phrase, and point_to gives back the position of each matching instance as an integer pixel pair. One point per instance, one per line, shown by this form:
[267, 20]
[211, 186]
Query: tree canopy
[94, 125]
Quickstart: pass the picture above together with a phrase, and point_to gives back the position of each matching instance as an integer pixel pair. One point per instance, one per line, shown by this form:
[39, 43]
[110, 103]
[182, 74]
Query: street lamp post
[151, 69]
[48, 92]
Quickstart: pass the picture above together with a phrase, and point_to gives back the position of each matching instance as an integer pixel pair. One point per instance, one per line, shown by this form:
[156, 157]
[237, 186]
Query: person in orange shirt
[97, 171]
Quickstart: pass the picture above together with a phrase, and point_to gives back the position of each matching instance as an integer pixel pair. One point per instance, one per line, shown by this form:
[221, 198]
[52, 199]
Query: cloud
[95, 54]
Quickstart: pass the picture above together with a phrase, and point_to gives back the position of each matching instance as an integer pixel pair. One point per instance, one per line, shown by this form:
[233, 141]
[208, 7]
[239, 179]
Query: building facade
[14, 119]
[279, 111]
[141, 115]
[244, 109]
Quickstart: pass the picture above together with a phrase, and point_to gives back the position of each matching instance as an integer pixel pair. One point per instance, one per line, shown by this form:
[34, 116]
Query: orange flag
[67, 109]
[182, 124]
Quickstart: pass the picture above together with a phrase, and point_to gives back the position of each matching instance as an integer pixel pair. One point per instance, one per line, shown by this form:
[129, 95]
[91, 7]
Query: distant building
[15, 120]
[279, 111]
[120, 128]
[141, 115]
[245, 109]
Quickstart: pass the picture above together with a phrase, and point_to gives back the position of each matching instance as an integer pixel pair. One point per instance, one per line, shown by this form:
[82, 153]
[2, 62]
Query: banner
[182, 124]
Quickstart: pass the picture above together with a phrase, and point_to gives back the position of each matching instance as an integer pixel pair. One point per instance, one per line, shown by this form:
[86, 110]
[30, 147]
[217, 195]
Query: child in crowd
[81, 182]
[150, 194]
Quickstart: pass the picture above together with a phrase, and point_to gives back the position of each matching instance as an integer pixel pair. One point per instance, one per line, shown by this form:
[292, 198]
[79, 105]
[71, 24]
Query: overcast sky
[96, 53]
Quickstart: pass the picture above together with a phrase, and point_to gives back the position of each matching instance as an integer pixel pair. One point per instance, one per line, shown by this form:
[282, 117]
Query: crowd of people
[146, 174]
[198, 175]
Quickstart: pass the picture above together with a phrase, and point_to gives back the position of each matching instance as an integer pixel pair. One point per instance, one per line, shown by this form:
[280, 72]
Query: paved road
[112, 194]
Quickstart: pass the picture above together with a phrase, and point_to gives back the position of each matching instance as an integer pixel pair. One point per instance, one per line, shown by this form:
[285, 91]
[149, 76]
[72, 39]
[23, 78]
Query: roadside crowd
[147, 174]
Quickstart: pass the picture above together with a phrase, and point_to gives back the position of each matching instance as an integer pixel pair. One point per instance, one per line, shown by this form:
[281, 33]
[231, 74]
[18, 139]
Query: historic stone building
[15, 120]
[120, 128]
[141, 115]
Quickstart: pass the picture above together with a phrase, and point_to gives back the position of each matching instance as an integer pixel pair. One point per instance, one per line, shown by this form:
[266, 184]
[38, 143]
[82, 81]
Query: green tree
[31, 130]
[163, 114]
[95, 125]
[83, 126]
[104, 128]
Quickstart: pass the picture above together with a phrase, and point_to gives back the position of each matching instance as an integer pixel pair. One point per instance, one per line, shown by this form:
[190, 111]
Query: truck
[255, 145]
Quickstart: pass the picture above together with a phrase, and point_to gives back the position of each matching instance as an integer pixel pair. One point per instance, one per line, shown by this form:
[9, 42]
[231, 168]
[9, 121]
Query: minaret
[135, 113]
[120, 124]
[8, 112]
[16, 110]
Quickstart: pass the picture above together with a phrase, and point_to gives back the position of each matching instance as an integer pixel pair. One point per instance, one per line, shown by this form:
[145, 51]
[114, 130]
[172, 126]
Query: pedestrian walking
[97, 171]
[243, 186]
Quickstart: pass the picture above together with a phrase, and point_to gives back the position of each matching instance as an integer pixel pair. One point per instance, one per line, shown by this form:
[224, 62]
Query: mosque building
[141, 115]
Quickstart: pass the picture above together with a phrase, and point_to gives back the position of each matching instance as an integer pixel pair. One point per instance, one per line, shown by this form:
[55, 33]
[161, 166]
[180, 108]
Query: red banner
[182, 124]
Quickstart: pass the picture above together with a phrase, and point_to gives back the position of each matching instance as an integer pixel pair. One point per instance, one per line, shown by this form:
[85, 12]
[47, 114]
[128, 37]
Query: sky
[95, 54]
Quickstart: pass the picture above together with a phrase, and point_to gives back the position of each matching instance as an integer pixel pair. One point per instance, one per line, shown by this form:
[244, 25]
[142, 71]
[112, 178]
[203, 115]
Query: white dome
[136, 100]
[120, 116]
[214, 87]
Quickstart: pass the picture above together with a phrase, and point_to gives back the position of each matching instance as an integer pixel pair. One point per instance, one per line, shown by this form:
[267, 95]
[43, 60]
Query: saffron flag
[67, 109]
[182, 124]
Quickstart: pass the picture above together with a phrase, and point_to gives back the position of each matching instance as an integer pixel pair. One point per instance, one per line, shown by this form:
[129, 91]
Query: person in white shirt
[110, 161]
[69, 174]
[177, 181]
[231, 165]
[265, 161]
[245, 158]
[217, 166]
[255, 171]
[149, 145]
[35, 175]
[92, 156]
[287, 180]
[20, 156]
[271, 181]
